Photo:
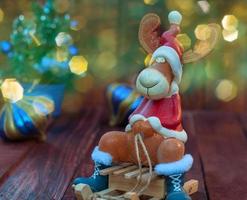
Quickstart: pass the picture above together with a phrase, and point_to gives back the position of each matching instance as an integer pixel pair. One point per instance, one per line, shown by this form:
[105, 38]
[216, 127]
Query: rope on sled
[138, 139]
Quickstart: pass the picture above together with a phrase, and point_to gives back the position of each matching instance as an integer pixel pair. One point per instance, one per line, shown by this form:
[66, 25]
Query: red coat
[168, 110]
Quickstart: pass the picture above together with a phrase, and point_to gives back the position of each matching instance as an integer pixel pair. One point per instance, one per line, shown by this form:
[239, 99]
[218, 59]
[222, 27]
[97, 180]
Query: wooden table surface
[44, 171]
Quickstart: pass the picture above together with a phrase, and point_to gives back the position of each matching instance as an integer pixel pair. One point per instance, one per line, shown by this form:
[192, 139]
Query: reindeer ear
[203, 47]
[149, 32]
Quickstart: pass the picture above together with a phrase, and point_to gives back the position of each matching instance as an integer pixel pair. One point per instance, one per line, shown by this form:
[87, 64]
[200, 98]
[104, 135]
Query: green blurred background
[107, 36]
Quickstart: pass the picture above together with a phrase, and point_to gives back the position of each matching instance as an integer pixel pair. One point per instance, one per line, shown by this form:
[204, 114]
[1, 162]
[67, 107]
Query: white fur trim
[175, 17]
[172, 58]
[177, 167]
[135, 118]
[128, 128]
[101, 157]
[157, 126]
[174, 88]
[155, 123]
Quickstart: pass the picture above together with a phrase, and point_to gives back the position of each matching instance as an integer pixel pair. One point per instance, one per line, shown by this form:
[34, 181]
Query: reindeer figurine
[158, 117]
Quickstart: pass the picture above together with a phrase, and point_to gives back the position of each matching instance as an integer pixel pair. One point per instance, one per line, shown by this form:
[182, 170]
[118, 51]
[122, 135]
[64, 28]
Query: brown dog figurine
[158, 117]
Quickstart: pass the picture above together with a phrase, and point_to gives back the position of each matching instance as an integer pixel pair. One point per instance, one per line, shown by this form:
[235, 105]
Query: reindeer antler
[149, 35]
[203, 47]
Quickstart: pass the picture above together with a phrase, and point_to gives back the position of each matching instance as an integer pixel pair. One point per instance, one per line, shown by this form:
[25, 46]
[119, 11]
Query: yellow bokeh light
[1, 15]
[186, 7]
[147, 59]
[106, 60]
[184, 40]
[226, 90]
[107, 39]
[229, 22]
[12, 90]
[150, 2]
[62, 54]
[230, 36]
[78, 65]
[202, 32]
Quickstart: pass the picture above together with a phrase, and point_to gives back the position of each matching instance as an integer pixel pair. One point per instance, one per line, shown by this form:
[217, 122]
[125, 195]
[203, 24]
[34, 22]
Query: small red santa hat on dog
[170, 48]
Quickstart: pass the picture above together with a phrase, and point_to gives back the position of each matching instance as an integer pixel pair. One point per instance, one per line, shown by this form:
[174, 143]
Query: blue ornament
[5, 46]
[73, 50]
[26, 118]
[53, 91]
[123, 100]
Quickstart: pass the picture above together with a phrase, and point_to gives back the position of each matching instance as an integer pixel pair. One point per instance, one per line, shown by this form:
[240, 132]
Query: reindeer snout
[149, 78]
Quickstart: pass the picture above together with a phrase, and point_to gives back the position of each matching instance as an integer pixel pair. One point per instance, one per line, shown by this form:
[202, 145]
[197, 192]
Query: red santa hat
[170, 48]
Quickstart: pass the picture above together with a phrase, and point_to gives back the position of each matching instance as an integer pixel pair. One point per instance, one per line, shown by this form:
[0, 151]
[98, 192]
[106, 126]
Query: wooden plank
[155, 189]
[191, 186]
[82, 192]
[135, 173]
[110, 170]
[223, 152]
[125, 170]
[47, 170]
[146, 176]
[196, 171]
[86, 165]
[12, 154]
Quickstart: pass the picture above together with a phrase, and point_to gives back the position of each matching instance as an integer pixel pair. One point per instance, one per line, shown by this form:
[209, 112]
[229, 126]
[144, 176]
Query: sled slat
[110, 170]
[135, 173]
[125, 170]
[82, 191]
[146, 176]
[191, 186]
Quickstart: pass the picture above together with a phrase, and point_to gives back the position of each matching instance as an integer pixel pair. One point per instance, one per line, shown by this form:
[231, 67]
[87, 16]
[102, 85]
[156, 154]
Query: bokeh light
[106, 60]
[107, 39]
[187, 7]
[204, 5]
[226, 90]
[230, 36]
[1, 15]
[202, 32]
[184, 40]
[229, 22]
[62, 54]
[63, 39]
[147, 59]
[78, 65]
[150, 2]
[12, 90]
[77, 23]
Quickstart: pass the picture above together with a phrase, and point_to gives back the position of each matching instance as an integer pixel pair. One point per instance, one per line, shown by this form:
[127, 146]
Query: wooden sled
[122, 178]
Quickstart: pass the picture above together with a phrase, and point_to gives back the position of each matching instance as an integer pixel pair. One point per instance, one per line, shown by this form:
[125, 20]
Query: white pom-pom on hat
[175, 17]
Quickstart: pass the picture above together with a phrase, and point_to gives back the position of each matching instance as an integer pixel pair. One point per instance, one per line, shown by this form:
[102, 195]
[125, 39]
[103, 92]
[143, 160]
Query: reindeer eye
[160, 60]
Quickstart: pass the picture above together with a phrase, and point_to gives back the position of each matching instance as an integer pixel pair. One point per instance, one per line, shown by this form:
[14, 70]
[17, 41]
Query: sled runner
[123, 178]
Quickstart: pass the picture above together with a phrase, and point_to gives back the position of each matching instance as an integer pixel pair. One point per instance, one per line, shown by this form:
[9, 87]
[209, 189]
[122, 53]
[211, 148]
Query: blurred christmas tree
[41, 47]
